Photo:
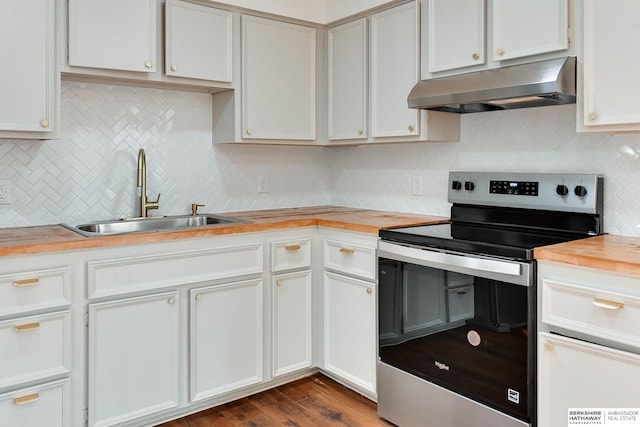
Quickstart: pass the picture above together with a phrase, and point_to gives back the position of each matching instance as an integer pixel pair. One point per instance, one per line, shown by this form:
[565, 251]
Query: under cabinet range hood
[536, 84]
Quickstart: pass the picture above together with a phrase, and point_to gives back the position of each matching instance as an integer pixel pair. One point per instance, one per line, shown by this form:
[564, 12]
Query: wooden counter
[620, 254]
[52, 238]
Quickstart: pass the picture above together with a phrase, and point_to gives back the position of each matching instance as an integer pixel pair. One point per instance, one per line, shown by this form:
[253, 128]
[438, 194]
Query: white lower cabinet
[226, 338]
[575, 374]
[350, 329]
[133, 358]
[291, 322]
[44, 405]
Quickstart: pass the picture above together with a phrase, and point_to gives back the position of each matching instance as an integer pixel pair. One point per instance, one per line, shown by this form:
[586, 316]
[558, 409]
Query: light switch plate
[5, 192]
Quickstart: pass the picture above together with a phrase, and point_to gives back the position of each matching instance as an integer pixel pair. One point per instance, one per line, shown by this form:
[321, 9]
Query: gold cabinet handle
[44, 123]
[369, 291]
[411, 128]
[609, 305]
[292, 247]
[279, 282]
[593, 116]
[500, 51]
[348, 251]
[172, 300]
[548, 346]
[26, 282]
[23, 400]
[249, 132]
[360, 132]
[148, 64]
[475, 56]
[462, 292]
[173, 68]
[27, 327]
[198, 297]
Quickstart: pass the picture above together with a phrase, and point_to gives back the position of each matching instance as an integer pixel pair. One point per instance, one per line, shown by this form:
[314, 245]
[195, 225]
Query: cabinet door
[27, 86]
[291, 322]
[347, 46]
[279, 80]
[133, 358]
[226, 338]
[394, 71]
[576, 374]
[611, 71]
[349, 329]
[114, 34]
[525, 28]
[456, 34]
[198, 41]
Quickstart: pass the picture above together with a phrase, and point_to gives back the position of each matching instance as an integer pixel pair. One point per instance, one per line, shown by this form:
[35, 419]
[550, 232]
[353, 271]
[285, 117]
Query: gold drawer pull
[292, 247]
[347, 250]
[462, 292]
[369, 291]
[279, 282]
[548, 346]
[27, 327]
[609, 305]
[26, 282]
[23, 400]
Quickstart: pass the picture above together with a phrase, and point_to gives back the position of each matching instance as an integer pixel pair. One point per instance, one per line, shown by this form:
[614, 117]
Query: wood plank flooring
[315, 401]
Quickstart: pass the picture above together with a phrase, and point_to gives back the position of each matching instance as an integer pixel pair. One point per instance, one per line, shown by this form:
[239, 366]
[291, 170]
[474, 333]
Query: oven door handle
[464, 264]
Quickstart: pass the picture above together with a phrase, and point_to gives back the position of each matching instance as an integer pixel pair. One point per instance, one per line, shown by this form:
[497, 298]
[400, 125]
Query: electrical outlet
[263, 183]
[5, 192]
[417, 185]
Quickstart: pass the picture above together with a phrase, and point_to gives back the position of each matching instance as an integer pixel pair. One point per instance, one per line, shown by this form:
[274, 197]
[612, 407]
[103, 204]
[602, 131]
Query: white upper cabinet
[525, 28]
[115, 34]
[455, 34]
[347, 77]
[394, 71]
[28, 86]
[278, 80]
[611, 83]
[198, 41]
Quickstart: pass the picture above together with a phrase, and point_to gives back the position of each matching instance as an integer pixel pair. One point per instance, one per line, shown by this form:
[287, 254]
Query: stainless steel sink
[140, 225]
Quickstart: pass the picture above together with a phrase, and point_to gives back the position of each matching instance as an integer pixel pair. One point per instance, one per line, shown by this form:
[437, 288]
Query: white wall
[90, 172]
[532, 140]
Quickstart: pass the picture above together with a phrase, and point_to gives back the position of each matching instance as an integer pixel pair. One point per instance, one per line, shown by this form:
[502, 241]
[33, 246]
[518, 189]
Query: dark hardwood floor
[312, 401]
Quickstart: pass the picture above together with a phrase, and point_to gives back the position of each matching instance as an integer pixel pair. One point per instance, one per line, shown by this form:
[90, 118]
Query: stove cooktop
[511, 243]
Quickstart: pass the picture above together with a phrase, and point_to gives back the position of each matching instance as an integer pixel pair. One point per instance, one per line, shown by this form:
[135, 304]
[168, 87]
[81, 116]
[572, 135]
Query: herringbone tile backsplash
[89, 173]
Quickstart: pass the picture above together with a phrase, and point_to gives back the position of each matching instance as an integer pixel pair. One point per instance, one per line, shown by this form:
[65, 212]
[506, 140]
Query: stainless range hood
[536, 84]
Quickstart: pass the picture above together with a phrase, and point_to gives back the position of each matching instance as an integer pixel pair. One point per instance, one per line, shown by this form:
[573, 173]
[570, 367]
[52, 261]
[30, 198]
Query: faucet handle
[194, 208]
[153, 205]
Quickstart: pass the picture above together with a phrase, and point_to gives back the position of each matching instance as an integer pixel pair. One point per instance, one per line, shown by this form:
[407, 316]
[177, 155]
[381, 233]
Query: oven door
[463, 322]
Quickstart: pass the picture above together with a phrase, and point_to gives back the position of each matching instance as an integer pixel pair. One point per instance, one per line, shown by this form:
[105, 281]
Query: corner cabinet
[28, 84]
[278, 80]
[115, 34]
[610, 71]
[187, 25]
[394, 70]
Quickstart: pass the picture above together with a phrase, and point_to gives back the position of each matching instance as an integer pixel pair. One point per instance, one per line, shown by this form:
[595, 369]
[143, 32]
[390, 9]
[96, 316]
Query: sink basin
[140, 225]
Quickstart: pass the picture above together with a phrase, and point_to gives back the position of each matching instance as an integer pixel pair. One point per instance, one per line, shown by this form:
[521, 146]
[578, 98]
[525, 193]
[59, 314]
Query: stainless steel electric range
[457, 301]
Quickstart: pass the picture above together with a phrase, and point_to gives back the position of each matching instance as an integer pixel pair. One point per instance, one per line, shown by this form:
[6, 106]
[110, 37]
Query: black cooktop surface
[504, 242]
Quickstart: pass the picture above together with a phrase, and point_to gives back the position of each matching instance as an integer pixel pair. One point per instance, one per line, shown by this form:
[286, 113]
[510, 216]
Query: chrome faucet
[145, 205]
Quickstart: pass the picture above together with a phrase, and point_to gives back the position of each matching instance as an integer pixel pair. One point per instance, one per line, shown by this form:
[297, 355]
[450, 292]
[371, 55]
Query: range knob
[456, 185]
[562, 190]
[469, 186]
[580, 191]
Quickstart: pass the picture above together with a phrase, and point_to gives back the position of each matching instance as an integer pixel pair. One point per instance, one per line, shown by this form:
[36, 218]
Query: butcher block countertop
[620, 254]
[53, 238]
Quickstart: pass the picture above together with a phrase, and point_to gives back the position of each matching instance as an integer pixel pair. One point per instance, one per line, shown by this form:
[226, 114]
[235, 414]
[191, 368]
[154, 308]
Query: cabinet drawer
[126, 275]
[351, 259]
[34, 347]
[608, 315]
[44, 405]
[34, 290]
[290, 254]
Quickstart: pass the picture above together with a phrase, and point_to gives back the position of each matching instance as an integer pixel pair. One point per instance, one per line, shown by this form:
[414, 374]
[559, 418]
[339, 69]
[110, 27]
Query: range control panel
[557, 192]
